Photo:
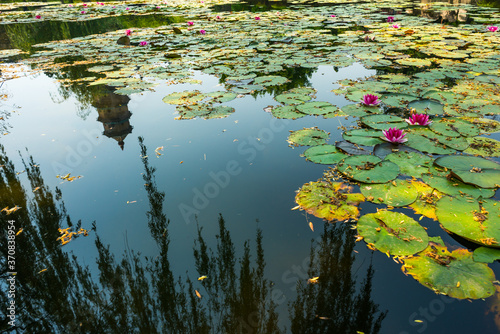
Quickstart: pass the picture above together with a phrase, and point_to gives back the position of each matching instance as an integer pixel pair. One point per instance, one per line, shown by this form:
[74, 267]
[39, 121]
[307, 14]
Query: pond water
[153, 185]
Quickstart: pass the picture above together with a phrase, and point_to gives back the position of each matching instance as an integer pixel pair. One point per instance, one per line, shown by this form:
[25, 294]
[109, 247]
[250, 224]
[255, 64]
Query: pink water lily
[418, 119]
[143, 43]
[492, 28]
[218, 17]
[333, 15]
[82, 12]
[38, 16]
[394, 135]
[128, 32]
[190, 23]
[257, 18]
[390, 19]
[396, 26]
[84, 5]
[203, 32]
[370, 100]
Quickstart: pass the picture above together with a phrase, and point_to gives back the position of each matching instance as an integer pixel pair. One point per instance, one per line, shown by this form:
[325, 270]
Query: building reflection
[113, 114]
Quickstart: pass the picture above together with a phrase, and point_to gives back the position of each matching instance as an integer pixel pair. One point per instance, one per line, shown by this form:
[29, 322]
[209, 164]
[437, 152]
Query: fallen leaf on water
[9, 211]
[181, 162]
[311, 226]
[201, 278]
[418, 320]
[197, 293]
[157, 151]
[36, 189]
[21, 230]
[41, 271]
[313, 280]
[130, 202]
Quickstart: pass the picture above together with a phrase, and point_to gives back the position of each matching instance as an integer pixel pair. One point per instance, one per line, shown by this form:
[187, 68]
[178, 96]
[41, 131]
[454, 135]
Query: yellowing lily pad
[454, 274]
[396, 193]
[329, 200]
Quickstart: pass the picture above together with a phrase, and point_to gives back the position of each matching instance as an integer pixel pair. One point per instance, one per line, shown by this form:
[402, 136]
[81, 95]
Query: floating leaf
[425, 204]
[454, 187]
[366, 137]
[308, 137]
[292, 98]
[368, 169]
[428, 107]
[474, 170]
[477, 221]
[351, 148]
[392, 233]
[397, 193]
[330, 201]
[317, 108]
[324, 154]
[384, 122]
[483, 146]
[454, 274]
[486, 255]
[287, 112]
[410, 163]
[270, 80]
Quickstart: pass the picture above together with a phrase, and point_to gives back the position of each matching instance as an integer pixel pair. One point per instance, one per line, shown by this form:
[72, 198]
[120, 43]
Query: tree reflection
[332, 305]
[134, 294]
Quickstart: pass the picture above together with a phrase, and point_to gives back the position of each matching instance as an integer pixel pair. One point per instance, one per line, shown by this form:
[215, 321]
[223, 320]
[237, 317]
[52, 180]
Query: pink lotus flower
[127, 8]
[84, 5]
[390, 19]
[82, 12]
[394, 135]
[190, 23]
[370, 100]
[128, 32]
[218, 17]
[492, 28]
[396, 26]
[38, 16]
[203, 32]
[70, 5]
[257, 18]
[143, 43]
[418, 119]
[333, 15]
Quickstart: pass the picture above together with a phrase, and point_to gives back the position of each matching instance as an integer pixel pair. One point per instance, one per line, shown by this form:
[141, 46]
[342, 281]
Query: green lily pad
[411, 163]
[270, 80]
[396, 193]
[486, 255]
[366, 137]
[292, 98]
[220, 96]
[427, 106]
[351, 148]
[397, 100]
[454, 187]
[384, 122]
[454, 274]
[413, 62]
[454, 127]
[485, 147]
[330, 201]
[184, 98]
[473, 170]
[308, 137]
[493, 79]
[288, 112]
[424, 144]
[317, 108]
[477, 221]
[368, 169]
[324, 154]
[303, 91]
[359, 110]
[393, 233]
[456, 143]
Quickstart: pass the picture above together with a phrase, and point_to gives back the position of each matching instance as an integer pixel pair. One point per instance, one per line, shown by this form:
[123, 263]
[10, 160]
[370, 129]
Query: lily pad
[351, 148]
[454, 274]
[411, 163]
[424, 144]
[307, 137]
[392, 233]
[454, 127]
[324, 154]
[454, 187]
[396, 193]
[473, 170]
[486, 255]
[184, 98]
[477, 221]
[368, 169]
[384, 122]
[330, 201]
[317, 108]
[483, 146]
[270, 80]
[288, 112]
[427, 106]
[366, 137]
[425, 204]
[292, 98]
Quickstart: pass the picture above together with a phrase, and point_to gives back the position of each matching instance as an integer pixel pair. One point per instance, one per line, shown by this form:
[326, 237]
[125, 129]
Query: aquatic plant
[128, 32]
[396, 26]
[370, 100]
[190, 23]
[492, 28]
[394, 135]
[203, 32]
[143, 43]
[390, 19]
[419, 119]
